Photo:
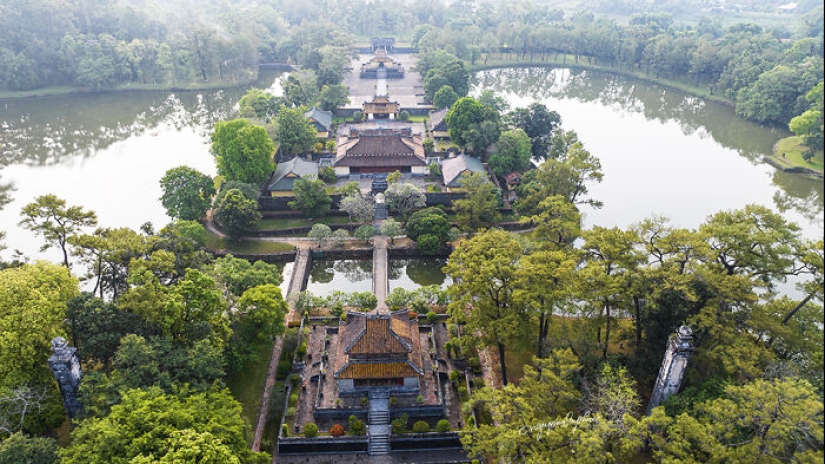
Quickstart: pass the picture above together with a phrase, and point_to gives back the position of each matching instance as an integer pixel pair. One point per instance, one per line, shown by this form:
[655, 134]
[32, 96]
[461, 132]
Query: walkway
[379, 423]
[379, 270]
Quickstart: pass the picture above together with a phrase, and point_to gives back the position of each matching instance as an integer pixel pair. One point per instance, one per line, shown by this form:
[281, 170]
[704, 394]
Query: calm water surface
[662, 152]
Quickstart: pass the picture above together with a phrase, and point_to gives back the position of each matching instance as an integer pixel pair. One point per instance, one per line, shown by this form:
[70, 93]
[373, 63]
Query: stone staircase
[379, 421]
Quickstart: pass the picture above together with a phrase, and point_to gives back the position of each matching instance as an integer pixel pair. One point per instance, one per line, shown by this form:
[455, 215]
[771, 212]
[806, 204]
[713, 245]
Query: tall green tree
[333, 97]
[296, 134]
[479, 207]
[538, 123]
[244, 152]
[809, 125]
[33, 300]
[512, 153]
[484, 270]
[311, 197]
[445, 97]
[49, 216]
[263, 309]
[187, 193]
[237, 214]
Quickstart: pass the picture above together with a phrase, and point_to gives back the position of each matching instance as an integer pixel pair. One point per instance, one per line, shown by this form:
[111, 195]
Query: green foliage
[773, 97]
[296, 135]
[239, 275]
[444, 97]
[461, 117]
[685, 401]
[327, 174]
[431, 221]
[250, 191]
[333, 97]
[442, 426]
[364, 232]
[263, 309]
[538, 123]
[809, 124]
[479, 207]
[429, 244]
[360, 208]
[356, 426]
[429, 147]
[187, 193]
[206, 426]
[432, 317]
[311, 197]
[404, 116]
[49, 217]
[403, 198]
[244, 152]
[29, 450]
[365, 300]
[512, 153]
[444, 70]
[399, 424]
[391, 228]
[237, 214]
[33, 300]
[321, 233]
[97, 327]
[421, 427]
[261, 103]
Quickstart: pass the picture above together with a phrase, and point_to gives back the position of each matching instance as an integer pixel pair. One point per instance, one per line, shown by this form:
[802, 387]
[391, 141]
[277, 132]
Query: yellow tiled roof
[382, 370]
[378, 338]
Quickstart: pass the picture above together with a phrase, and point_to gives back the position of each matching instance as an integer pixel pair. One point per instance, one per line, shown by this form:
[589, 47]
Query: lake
[662, 152]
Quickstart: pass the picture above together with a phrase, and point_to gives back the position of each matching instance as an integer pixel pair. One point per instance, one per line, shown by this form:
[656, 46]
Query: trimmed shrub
[284, 430]
[454, 376]
[290, 412]
[356, 426]
[327, 174]
[310, 430]
[421, 427]
[293, 399]
[338, 430]
[442, 426]
[432, 317]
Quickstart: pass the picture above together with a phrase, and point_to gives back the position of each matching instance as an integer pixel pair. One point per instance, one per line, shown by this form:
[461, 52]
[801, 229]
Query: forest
[765, 70]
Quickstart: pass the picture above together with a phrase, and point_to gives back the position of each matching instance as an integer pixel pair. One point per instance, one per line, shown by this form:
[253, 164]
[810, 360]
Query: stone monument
[66, 367]
[674, 364]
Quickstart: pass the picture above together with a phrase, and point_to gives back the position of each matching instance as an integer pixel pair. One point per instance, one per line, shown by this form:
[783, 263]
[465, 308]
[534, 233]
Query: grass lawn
[421, 118]
[284, 223]
[793, 148]
[213, 242]
[247, 385]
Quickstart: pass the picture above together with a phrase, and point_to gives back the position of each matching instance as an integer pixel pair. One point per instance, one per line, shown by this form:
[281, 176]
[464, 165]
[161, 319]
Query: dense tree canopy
[152, 425]
[237, 214]
[187, 193]
[296, 134]
[243, 151]
[33, 302]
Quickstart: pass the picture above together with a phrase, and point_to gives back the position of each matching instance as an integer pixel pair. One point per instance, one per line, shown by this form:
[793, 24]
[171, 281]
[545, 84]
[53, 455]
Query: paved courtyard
[408, 91]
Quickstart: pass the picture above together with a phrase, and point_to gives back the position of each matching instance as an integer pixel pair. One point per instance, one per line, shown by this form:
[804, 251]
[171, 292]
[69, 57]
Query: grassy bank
[213, 242]
[247, 385]
[788, 152]
[569, 62]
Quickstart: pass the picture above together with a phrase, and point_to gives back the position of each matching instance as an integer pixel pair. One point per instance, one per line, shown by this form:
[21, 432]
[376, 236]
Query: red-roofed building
[378, 351]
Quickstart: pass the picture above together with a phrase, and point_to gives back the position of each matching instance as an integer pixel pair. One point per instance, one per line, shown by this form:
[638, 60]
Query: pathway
[270, 382]
[379, 271]
[379, 423]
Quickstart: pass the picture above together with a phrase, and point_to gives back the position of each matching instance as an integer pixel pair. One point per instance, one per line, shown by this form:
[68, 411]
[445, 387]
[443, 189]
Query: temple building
[283, 180]
[380, 150]
[453, 168]
[380, 350]
[321, 121]
[438, 125]
[381, 108]
[381, 66]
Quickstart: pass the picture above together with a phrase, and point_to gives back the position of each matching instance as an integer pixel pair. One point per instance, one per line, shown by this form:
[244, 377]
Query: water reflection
[662, 151]
[347, 275]
[50, 130]
[412, 273]
[694, 115]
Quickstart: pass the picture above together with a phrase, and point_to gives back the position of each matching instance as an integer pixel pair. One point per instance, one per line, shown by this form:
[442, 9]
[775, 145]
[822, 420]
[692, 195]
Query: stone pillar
[66, 367]
[674, 364]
